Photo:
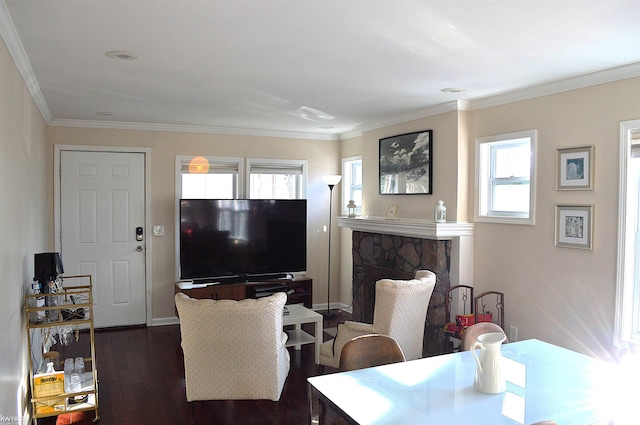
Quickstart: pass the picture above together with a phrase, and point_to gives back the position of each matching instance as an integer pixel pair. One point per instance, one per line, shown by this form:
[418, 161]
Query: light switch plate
[158, 230]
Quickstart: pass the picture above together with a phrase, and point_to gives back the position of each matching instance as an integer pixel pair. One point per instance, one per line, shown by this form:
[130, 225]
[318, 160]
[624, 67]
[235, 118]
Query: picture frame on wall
[575, 168]
[406, 164]
[574, 226]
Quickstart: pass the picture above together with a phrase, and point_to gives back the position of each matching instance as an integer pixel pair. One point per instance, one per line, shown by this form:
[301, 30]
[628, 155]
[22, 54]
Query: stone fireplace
[396, 249]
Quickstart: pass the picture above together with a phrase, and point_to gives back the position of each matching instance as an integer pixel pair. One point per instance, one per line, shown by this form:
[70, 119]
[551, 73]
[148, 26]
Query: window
[276, 178]
[352, 183]
[208, 177]
[627, 327]
[505, 178]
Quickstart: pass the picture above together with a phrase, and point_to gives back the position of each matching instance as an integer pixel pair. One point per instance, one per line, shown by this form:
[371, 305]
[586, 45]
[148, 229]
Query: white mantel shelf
[416, 228]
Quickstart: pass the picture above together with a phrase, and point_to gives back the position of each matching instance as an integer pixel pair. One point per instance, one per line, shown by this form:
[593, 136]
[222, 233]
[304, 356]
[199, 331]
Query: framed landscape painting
[406, 164]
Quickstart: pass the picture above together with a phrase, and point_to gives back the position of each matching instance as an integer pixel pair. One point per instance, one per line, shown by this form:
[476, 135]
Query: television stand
[299, 290]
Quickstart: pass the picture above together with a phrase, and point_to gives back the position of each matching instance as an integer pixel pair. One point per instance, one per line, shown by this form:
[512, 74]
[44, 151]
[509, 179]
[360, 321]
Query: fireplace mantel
[452, 245]
[424, 229]
[460, 233]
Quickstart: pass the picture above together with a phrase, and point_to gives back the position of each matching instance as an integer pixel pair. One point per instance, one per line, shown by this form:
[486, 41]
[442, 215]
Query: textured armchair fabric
[400, 312]
[233, 350]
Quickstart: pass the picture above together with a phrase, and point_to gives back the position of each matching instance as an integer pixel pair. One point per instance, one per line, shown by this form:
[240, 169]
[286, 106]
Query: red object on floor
[76, 418]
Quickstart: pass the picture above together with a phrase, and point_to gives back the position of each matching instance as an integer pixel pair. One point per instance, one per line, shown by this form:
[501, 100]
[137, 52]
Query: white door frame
[147, 205]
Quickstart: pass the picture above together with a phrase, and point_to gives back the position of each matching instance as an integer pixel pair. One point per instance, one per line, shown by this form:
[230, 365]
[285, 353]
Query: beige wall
[450, 169]
[23, 226]
[446, 150]
[564, 296]
[322, 156]
[349, 148]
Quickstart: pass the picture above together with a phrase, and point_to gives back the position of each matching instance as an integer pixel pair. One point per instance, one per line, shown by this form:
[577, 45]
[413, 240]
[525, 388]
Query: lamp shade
[332, 179]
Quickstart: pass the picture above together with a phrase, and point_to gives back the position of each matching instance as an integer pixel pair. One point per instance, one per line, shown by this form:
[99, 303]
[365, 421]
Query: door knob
[139, 248]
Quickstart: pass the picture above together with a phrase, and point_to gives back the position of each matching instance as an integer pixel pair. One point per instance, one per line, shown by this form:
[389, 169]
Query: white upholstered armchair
[400, 312]
[233, 350]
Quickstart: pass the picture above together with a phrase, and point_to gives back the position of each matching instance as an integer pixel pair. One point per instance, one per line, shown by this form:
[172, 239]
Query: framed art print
[406, 164]
[575, 168]
[574, 226]
[392, 212]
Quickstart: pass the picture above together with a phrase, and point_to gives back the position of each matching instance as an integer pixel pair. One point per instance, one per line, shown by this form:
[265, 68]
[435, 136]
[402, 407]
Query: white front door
[102, 202]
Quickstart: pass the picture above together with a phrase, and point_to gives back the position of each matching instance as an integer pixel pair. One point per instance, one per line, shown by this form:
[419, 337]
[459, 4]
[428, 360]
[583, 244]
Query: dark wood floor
[141, 381]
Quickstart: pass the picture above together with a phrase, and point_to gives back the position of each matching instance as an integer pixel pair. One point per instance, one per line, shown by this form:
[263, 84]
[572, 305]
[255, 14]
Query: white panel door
[102, 202]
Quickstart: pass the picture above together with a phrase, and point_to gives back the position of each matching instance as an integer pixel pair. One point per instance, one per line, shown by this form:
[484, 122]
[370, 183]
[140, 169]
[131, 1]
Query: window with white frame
[352, 183]
[208, 177]
[276, 178]
[505, 178]
[627, 325]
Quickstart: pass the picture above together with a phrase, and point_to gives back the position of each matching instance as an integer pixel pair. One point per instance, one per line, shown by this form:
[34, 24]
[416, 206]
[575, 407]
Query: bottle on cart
[51, 300]
[36, 302]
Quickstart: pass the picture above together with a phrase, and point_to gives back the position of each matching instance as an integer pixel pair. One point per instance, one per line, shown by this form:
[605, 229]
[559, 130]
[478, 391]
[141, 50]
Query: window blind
[214, 168]
[275, 168]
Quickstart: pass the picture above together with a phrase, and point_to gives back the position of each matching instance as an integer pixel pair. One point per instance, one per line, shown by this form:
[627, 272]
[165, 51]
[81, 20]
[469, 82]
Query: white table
[297, 316]
[544, 382]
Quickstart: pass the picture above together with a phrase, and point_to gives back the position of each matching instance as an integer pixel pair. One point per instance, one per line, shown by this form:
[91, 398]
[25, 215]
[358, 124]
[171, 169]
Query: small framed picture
[574, 226]
[575, 168]
[392, 212]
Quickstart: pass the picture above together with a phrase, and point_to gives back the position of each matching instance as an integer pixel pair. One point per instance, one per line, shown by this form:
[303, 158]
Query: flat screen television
[234, 240]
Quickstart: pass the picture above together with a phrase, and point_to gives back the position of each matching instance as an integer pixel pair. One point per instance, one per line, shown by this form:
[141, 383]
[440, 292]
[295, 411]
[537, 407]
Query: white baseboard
[164, 321]
[332, 306]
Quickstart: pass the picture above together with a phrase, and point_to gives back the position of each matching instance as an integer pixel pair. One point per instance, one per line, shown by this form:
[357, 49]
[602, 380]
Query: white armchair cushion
[233, 349]
[346, 332]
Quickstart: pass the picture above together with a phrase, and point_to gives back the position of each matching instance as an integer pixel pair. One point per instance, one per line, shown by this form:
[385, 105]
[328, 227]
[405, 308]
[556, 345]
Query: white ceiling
[318, 67]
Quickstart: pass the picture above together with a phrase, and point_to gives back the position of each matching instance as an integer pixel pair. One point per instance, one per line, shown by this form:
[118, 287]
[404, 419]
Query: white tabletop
[300, 314]
[544, 382]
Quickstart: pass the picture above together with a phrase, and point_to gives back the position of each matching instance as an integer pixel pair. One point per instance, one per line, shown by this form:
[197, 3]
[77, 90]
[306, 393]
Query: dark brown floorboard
[141, 381]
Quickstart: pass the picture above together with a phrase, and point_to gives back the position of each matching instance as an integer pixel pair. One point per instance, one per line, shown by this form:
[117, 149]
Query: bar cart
[63, 328]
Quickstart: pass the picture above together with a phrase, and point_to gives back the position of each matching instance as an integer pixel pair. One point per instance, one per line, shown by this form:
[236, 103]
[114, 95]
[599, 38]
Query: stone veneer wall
[377, 256]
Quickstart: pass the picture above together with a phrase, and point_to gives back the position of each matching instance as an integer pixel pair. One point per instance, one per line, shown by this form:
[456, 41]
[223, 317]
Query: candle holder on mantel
[440, 213]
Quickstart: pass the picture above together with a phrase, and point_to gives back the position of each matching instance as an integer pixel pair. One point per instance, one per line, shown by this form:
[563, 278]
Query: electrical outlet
[513, 334]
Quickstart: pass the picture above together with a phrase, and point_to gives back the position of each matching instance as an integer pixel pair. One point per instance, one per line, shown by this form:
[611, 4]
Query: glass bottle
[51, 301]
[35, 302]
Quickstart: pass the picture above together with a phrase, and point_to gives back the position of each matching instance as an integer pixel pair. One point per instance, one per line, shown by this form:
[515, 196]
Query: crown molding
[19, 56]
[351, 134]
[411, 116]
[554, 87]
[454, 105]
[581, 81]
[122, 125]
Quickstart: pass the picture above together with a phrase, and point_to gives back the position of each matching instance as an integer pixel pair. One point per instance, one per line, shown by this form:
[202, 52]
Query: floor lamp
[331, 181]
